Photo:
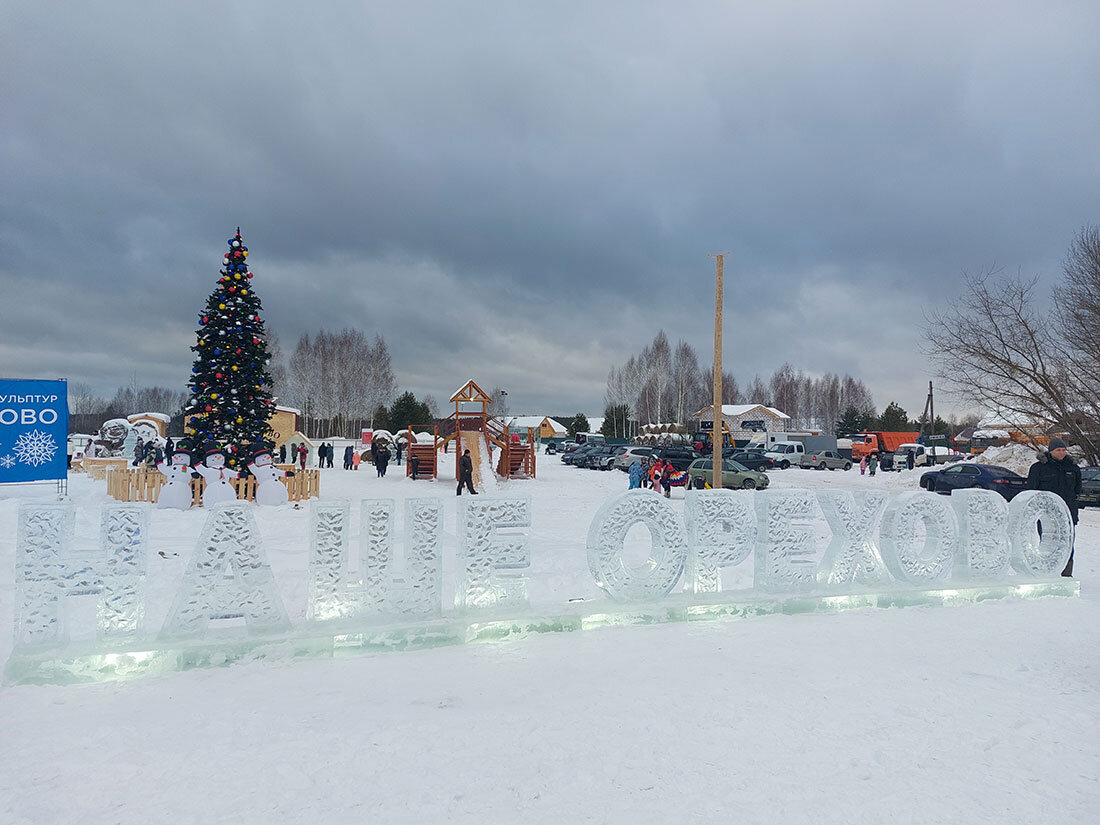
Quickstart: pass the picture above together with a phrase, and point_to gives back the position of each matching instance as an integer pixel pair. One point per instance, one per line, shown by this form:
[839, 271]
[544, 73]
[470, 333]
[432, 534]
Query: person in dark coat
[328, 455]
[414, 465]
[321, 455]
[348, 451]
[282, 453]
[1057, 473]
[139, 452]
[168, 445]
[381, 459]
[466, 473]
[910, 459]
[398, 453]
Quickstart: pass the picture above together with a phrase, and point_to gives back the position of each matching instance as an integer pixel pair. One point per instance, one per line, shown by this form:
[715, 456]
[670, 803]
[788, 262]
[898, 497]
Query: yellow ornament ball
[213, 395]
[221, 306]
[237, 277]
[244, 292]
[234, 368]
[245, 253]
[240, 420]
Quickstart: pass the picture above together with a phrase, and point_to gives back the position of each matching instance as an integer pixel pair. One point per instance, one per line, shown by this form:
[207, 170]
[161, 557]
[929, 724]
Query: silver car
[624, 459]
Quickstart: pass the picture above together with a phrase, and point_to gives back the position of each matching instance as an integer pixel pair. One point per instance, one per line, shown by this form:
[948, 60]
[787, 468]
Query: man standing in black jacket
[466, 474]
[1057, 473]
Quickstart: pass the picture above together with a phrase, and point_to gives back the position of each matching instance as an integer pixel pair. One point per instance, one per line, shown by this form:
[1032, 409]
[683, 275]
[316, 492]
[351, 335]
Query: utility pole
[716, 412]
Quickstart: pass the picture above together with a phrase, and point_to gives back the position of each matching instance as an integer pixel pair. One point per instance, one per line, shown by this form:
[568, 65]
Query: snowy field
[975, 714]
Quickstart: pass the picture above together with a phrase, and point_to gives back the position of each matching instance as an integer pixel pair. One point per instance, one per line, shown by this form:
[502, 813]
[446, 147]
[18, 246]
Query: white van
[785, 453]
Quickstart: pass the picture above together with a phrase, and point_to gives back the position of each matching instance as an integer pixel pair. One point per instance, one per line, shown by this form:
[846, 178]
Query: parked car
[1090, 486]
[826, 460]
[969, 475]
[601, 458]
[734, 475]
[753, 459]
[624, 459]
[679, 457]
[551, 447]
[576, 457]
[786, 453]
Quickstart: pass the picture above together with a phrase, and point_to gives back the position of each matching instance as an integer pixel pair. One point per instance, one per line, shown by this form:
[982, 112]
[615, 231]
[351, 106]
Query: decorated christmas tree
[230, 401]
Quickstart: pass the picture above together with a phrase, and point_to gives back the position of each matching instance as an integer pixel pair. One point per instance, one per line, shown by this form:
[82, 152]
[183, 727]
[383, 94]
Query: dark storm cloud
[524, 193]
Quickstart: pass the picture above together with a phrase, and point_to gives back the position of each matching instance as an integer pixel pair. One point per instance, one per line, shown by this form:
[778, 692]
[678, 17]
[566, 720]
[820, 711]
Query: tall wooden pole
[716, 436]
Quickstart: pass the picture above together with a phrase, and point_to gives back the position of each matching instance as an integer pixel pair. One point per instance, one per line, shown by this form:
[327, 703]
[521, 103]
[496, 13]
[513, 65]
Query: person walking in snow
[398, 453]
[381, 461]
[635, 472]
[910, 460]
[1057, 473]
[348, 450]
[872, 465]
[303, 451]
[466, 474]
[863, 466]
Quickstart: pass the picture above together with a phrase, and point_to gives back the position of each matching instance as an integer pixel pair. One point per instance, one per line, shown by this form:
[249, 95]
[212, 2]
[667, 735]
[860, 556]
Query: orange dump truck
[881, 443]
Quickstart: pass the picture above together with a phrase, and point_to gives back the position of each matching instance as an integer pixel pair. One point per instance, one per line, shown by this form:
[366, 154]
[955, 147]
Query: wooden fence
[97, 467]
[141, 485]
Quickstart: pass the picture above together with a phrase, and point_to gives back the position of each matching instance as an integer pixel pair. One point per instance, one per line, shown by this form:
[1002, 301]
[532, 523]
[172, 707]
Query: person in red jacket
[302, 453]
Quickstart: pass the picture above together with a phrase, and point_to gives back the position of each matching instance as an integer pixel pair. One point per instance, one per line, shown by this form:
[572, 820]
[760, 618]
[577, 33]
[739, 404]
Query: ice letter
[1030, 555]
[784, 540]
[334, 593]
[898, 536]
[721, 531]
[659, 574]
[982, 551]
[227, 577]
[48, 569]
[852, 556]
[481, 551]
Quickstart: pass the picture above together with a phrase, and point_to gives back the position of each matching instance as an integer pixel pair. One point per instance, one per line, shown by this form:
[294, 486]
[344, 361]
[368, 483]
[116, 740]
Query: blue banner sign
[34, 430]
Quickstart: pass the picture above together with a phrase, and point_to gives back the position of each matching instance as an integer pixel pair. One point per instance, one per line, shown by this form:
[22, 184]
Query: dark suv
[679, 457]
[602, 457]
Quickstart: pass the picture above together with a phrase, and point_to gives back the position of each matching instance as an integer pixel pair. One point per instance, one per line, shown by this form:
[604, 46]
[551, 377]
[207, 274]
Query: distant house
[544, 426]
[744, 420]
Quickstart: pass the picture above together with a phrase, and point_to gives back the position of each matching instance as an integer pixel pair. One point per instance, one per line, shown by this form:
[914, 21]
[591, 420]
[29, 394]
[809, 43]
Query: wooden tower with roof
[470, 425]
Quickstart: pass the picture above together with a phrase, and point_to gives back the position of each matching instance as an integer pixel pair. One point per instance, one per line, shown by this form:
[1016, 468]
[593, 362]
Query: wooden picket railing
[97, 467]
[142, 485]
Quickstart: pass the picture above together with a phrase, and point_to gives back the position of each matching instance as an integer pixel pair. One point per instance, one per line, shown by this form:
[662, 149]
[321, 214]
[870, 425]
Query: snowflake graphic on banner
[7, 461]
[35, 448]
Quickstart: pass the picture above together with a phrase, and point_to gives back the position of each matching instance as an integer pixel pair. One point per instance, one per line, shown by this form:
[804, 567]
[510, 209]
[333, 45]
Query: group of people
[655, 474]
[148, 454]
[324, 455]
[868, 462]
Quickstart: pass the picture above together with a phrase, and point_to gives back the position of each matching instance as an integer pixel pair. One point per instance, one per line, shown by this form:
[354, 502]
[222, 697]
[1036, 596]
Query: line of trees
[666, 384]
[339, 380]
[1000, 348]
[88, 411]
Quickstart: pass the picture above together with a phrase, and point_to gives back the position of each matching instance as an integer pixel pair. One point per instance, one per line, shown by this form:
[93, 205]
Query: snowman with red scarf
[217, 475]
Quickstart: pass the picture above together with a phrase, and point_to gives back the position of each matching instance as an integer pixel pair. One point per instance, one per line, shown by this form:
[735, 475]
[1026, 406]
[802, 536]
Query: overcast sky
[523, 193]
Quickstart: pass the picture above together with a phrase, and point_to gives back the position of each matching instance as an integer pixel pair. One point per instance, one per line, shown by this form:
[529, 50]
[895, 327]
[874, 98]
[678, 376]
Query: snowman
[217, 475]
[269, 490]
[176, 491]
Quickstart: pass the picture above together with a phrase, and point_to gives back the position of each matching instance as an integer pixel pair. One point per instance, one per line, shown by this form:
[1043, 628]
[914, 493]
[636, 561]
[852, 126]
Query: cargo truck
[863, 444]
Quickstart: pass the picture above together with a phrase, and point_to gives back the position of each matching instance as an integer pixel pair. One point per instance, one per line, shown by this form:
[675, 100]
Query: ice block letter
[657, 576]
[483, 550]
[376, 590]
[784, 557]
[906, 557]
[982, 552]
[852, 556]
[228, 577]
[1032, 555]
[721, 532]
[48, 568]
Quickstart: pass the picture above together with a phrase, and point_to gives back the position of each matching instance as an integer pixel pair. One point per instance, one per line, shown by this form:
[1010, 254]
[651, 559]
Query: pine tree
[230, 402]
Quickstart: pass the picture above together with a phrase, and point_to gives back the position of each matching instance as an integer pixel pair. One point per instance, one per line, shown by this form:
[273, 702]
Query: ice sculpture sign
[801, 550]
[34, 427]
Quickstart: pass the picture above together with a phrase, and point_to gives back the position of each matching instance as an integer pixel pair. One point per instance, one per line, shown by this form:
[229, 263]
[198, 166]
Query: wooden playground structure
[470, 427]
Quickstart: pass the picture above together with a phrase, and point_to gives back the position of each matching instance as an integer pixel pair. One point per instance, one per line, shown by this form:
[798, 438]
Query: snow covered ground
[975, 714]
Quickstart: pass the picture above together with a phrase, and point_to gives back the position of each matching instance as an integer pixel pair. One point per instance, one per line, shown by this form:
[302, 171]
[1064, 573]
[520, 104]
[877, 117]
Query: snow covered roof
[155, 415]
[281, 408]
[526, 420]
[734, 410]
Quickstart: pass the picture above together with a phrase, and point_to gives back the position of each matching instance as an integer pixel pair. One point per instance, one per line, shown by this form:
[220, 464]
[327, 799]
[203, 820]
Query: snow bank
[1015, 457]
